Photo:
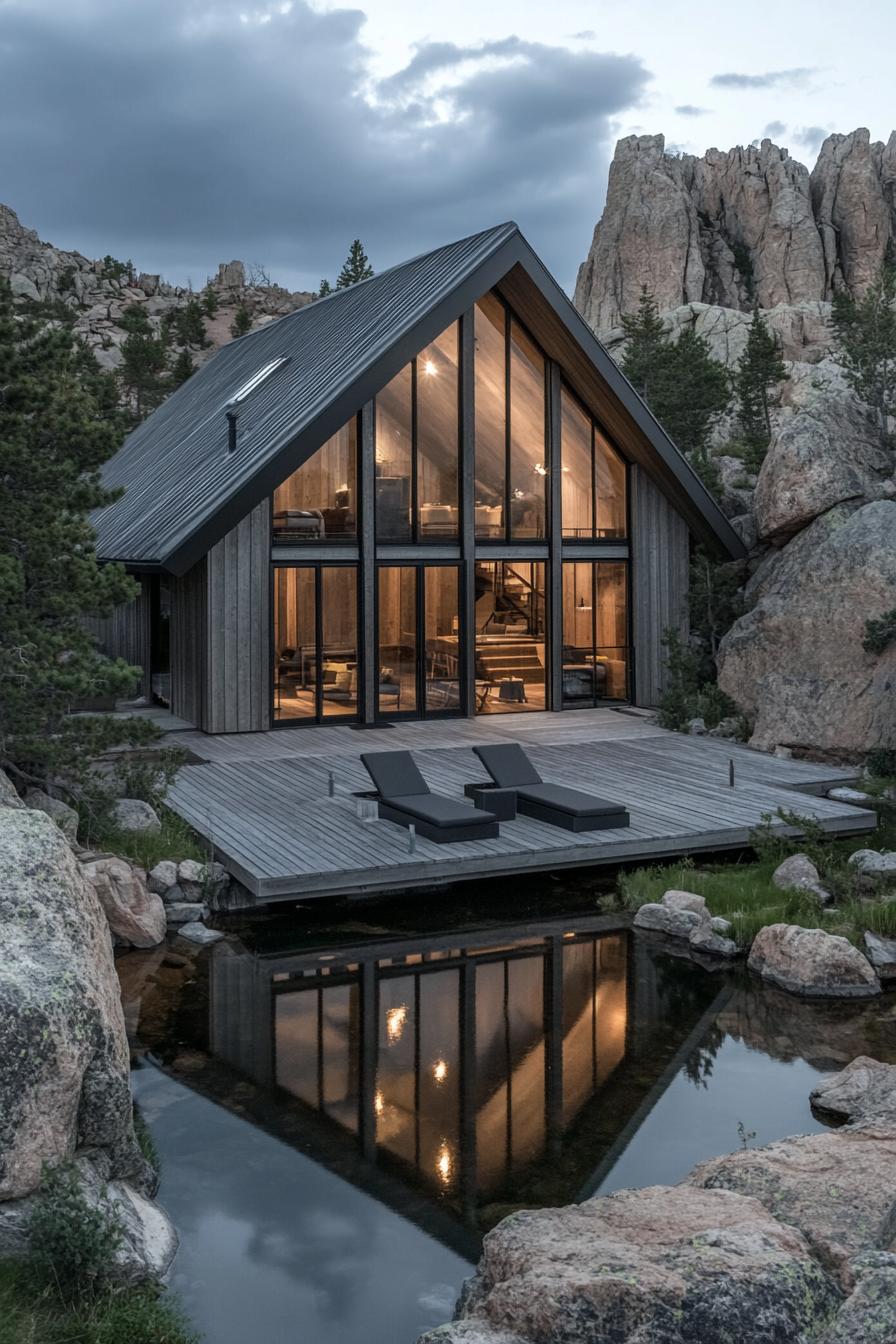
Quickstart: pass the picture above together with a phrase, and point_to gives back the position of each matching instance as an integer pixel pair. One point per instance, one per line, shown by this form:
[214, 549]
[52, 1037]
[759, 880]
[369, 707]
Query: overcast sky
[182, 133]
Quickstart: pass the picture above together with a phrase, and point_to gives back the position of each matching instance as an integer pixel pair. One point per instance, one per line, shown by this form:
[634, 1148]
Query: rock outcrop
[798, 1243]
[812, 963]
[136, 915]
[98, 292]
[735, 228]
[714, 1263]
[64, 1058]
[795, 662]
[64, 1062]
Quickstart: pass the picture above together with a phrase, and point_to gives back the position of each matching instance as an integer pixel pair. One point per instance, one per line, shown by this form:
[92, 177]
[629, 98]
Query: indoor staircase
[509, 656]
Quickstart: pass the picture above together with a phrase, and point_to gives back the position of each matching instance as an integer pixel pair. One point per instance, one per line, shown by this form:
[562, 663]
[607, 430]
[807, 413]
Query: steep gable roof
[183, 489]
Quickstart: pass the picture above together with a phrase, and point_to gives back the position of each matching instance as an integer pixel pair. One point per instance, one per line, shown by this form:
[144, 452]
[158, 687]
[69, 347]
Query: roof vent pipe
[231, 431]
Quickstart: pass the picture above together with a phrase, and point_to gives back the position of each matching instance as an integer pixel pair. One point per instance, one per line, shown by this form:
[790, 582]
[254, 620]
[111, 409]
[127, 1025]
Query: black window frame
[318, 719]
[596, 536]
[414, 537]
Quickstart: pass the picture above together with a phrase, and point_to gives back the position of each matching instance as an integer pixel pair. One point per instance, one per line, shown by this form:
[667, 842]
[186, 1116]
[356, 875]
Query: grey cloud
[775, 129]
[768, 80]
[689, 110]
[810, 137]
[186, 136]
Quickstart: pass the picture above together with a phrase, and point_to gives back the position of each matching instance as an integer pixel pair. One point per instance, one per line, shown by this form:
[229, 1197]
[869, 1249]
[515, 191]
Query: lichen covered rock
[838, 1189]
[136, 915]
[812, 962]
[64, 1064]
[652, 1266]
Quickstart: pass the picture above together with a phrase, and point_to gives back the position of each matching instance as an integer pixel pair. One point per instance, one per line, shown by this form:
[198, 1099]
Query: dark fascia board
[487, 275]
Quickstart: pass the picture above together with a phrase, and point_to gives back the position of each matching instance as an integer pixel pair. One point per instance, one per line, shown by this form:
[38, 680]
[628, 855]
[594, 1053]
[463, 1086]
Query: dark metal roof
[183, 490]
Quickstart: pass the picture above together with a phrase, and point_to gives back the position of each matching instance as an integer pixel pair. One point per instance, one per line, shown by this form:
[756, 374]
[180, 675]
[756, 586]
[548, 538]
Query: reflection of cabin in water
[475, 1073]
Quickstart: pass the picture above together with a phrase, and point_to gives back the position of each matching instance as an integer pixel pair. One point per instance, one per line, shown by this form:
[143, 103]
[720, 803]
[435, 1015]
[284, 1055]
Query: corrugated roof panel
[175, 468]
[183, 489]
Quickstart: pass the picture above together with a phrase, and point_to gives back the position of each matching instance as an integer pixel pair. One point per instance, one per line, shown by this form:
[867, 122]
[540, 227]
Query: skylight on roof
[257, 379]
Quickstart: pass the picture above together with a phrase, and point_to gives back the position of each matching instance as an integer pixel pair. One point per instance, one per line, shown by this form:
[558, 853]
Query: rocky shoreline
[795, 1241]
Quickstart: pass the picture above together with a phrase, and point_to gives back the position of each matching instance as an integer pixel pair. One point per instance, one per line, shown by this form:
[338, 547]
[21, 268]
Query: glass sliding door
[397, 635]
[595, 632]
[511, 663]
[441, 629]
[418, 624]
[315, 643]
[338, 608]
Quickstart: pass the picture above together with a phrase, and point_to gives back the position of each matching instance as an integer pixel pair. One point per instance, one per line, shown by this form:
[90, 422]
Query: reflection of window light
[519, 494]
[395, 1020]
[379, 1102]
[444, 1164]
[440, 1070]
[540, 469]
[429, 368]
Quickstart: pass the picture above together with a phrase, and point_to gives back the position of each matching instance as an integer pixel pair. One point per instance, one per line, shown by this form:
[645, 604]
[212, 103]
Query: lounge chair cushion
[442, 812]
[508, 765]
[573, 801]
[394, 774]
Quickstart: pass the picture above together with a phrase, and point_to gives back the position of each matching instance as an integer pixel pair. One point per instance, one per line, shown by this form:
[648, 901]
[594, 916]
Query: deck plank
[262, 800]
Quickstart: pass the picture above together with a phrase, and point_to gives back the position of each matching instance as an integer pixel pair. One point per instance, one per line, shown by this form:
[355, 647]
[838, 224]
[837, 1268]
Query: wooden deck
[263, 800]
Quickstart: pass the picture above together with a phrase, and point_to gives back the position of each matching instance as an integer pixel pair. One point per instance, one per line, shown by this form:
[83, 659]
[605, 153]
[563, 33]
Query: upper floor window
[593, 493]
[417, 446]
[319, 501]
[511, 457]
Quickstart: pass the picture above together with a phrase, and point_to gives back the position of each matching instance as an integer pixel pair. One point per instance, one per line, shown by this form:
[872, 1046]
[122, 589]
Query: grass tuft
[743, 891]
[176, 840]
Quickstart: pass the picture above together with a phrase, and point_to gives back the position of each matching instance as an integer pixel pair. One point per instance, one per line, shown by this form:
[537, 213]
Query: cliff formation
[711, 238]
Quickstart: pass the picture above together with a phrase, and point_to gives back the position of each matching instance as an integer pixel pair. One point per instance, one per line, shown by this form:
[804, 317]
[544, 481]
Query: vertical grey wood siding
[660, 551]
[238, 675]
[126, 633]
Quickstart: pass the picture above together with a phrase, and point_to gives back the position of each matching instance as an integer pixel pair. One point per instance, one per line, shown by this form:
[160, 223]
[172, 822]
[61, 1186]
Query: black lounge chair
[404, 797]
[510, 768]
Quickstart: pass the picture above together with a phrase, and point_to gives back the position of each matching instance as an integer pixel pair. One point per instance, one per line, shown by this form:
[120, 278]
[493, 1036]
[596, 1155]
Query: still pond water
[342, 1109]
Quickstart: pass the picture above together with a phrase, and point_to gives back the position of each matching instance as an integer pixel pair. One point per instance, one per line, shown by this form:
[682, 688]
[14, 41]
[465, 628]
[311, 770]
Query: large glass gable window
[417, 446]
[319, 501]
[593, 495]
[511, 458]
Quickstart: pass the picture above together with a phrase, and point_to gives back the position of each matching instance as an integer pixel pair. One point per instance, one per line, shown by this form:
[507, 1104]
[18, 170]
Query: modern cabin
[430, 494]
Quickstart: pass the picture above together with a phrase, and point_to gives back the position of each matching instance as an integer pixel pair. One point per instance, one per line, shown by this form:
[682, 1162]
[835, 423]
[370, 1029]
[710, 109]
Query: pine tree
[865, 332]
[59, 422]
[210, 301]
[647, 344]
[242, 322]
[759, 371]
[190, 325]
[325, 288]
[683, 385]
[144, 369]
[356, 267]
[182, 368]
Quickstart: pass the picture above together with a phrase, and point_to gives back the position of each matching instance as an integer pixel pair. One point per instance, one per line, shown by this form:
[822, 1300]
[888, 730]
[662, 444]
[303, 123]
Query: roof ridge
[501, 231]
